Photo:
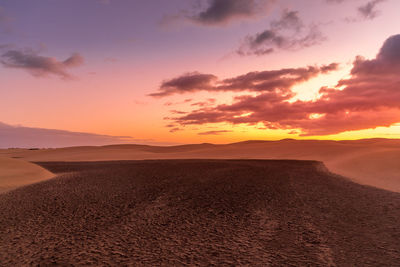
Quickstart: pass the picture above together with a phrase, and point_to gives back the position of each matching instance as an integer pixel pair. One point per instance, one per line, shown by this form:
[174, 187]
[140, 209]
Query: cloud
[28, 137]
[287, 33]
[214, 132]
[368, 99]
[174, 111]
[253, 81]
[176, 103]
[208, 102]
[40, 66]
[222, 12]
[368, 10]
[188, 82]
[176, 129]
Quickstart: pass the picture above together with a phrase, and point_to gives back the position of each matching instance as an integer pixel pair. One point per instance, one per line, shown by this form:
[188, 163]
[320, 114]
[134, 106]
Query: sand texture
[198, 212]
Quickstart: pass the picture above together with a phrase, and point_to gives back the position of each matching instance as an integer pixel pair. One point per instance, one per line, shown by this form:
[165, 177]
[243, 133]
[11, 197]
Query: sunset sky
[191, 71]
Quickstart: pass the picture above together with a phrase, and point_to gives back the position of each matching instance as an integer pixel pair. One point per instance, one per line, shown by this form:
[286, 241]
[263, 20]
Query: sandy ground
[373, 162]
[198, 212]
[15, 173]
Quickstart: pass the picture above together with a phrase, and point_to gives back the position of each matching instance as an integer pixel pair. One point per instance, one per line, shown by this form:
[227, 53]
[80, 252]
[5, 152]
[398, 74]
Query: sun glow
[243, 115]
[314, 116]
[309, 91]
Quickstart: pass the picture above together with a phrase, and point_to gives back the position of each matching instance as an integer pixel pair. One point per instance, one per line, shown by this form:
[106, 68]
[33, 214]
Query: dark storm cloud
[259, 81]
[40, 65]
[221, 12]
[368, 99]
[287, 33]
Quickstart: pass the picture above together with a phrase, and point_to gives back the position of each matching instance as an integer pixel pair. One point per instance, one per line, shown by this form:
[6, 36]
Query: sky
[193, 71]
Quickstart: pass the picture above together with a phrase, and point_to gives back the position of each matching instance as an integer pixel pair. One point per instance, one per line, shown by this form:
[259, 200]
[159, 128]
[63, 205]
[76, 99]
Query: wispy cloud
[169, 103]
[40, 66]
[369, 10]
[175, 129]
[174, 111]
[219, 132]
[366, 11]
[260, 81]
[208, 102]
[27, 137]
[287, 33]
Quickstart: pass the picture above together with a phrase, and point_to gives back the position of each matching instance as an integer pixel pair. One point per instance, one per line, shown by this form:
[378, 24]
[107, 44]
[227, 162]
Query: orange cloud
[259, 81]
[368, 99]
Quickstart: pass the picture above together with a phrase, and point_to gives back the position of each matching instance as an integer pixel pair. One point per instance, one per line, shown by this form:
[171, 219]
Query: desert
[203, 204]
[198, 212]
[200, 133]
[374, 162]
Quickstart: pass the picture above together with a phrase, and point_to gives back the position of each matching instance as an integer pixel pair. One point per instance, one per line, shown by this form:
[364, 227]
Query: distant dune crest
[373, 162]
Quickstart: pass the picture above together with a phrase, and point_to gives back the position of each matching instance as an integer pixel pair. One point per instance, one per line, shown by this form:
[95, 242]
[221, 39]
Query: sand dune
[372, 161]
[15, 173]
[198, 212]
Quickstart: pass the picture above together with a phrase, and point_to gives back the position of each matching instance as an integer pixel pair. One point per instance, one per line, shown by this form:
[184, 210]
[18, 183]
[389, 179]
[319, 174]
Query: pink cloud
[368, 99]
[258, 81]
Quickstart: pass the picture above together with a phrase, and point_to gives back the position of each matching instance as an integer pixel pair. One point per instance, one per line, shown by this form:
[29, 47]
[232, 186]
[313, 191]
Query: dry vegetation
[203, 212]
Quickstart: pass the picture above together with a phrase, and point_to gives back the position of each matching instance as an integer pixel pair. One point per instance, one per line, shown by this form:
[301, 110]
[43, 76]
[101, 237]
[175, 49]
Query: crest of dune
[374, 162]
[15, 173]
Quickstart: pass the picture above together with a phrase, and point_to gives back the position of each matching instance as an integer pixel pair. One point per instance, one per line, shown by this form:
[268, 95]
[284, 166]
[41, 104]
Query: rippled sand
[198, 212]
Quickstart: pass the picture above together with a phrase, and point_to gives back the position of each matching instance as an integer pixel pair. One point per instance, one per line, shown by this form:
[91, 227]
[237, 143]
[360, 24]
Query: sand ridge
[373, 162]
[15, 173]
